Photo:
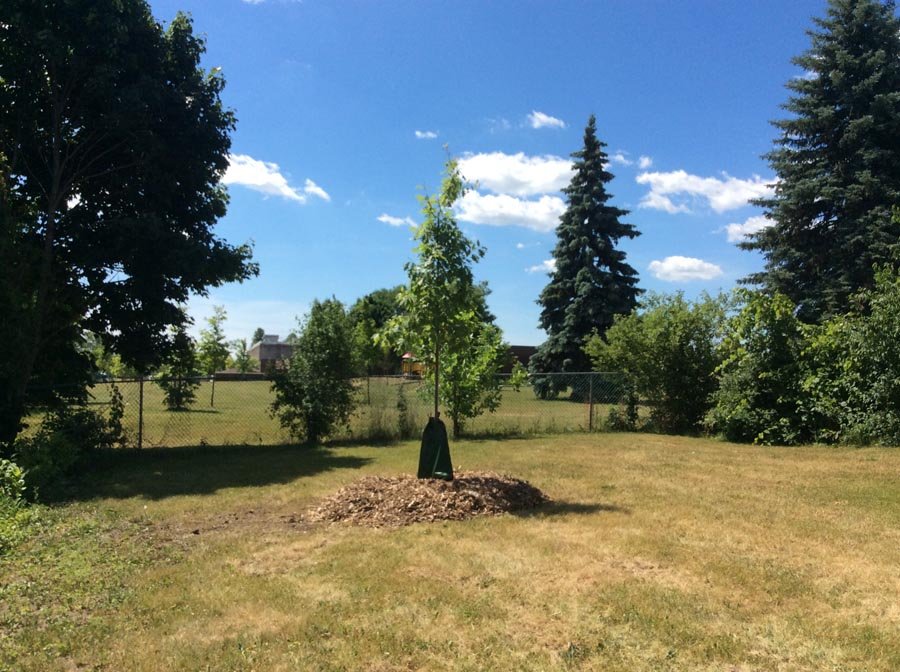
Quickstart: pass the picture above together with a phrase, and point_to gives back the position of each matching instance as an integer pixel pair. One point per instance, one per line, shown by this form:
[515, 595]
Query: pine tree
[591, 283]
[837, 161]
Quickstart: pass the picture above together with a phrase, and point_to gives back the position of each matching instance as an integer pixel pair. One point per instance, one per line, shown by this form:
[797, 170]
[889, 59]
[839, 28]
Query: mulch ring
[394, 501]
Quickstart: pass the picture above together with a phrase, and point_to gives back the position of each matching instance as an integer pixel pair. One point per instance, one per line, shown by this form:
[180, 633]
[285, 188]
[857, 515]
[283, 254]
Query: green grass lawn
[658, 553]
[237, 412]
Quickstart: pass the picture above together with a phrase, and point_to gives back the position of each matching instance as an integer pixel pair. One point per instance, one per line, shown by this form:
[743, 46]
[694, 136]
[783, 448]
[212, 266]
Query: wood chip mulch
[394, 501]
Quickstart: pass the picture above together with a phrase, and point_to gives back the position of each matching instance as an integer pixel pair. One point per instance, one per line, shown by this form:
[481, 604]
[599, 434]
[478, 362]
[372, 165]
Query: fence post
[140, 442]
[212, 396]
[591, 402]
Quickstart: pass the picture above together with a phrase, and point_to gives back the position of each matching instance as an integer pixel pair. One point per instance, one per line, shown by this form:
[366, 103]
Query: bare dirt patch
[394, 501]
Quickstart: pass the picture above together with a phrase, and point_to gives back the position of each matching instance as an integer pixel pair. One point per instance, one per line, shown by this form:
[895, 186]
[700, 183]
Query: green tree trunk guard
[434, 456]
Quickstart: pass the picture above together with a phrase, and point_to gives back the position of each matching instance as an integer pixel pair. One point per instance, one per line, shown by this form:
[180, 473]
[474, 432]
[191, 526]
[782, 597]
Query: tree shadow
[562, 508]
[159, 473]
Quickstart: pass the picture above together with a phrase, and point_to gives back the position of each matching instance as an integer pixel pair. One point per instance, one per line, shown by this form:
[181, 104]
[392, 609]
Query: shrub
[855, 379]
[666, 351]
[315, 394]
[61, 445]
[761, 397]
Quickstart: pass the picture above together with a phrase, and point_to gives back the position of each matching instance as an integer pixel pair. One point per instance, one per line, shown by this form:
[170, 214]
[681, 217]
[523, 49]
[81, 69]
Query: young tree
[178, 376]
[315, 394]
[114, 142]
[591, 282]
[242, 360]
[444, 310]
[212, 350]
[257, 336]
[837, 161]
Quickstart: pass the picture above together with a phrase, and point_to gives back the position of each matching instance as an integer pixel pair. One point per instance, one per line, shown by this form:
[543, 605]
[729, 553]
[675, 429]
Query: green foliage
[444, 318]
[100, 106]
[368, 317]
[855, 377]
[242, 360]
[315, 394]
[12, 481]
[178, 377]
[258, 335]
[592, 282]
[212, 348]
[761, 397]
[667, 352]
[62, 445]
[837, 160]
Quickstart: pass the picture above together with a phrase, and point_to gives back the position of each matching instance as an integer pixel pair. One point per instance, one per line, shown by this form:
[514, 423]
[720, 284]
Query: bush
[61, 445]
[761, 396]
[13, 514]
[315, 393]
[666, 351]
[855, 379]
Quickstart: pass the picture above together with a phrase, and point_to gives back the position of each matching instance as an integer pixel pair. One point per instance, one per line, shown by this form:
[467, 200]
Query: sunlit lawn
[660, 553]
[237, 412]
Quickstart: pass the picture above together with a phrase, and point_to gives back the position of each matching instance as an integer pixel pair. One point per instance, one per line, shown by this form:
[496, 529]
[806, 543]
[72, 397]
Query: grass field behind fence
[237, 412]
[659, 554]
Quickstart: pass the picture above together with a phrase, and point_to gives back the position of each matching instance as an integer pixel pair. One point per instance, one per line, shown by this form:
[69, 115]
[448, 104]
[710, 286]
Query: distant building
[271, 353]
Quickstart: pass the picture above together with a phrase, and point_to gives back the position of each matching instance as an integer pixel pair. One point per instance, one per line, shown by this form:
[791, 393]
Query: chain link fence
[236, 411]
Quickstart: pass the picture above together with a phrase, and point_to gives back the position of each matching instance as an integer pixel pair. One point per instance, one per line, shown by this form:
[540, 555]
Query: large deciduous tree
[591, 282]
[837, 162]
[113, 141]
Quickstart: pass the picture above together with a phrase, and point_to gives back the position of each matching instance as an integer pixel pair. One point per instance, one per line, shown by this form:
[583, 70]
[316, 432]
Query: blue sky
[344, 108]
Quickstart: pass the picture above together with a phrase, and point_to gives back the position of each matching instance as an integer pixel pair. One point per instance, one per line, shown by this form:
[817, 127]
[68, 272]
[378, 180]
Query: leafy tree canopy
[113, 140]
[837, 161]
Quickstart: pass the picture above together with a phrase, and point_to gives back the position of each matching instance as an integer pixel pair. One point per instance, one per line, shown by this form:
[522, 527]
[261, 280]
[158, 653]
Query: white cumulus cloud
[396, 221]
[621, 158]
[546, 266]
[426, 135]
[541, 120]
[505, 210]
[644, 162]
[266, 178]
[738, 232]
[517, 174]
[314, 189]
[677, 268]
[677, 190]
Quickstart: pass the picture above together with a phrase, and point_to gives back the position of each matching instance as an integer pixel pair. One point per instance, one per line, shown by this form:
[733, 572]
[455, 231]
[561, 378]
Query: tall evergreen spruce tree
[591, 283]
[838, 163]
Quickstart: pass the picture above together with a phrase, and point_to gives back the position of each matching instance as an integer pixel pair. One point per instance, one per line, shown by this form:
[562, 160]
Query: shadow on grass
[158, 473]
[557, 508]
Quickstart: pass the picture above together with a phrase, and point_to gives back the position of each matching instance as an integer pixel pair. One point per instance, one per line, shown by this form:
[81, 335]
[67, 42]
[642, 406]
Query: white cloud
[738, 233]
[546, 266]
[676, 268]
[396, 221]
[621, 158]
[426, 135]
[720, 194]
[520, 246]
[314, 189]
[266, 178]
[644, 162]
[504, 210]
[541, 120]
[517, 174]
